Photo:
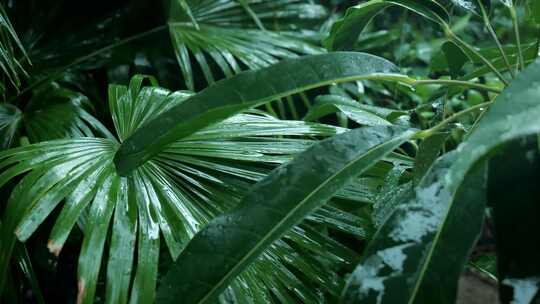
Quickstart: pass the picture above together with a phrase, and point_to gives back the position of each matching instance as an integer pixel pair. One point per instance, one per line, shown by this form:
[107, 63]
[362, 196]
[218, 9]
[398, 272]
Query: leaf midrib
[423, 270]
[272, 231]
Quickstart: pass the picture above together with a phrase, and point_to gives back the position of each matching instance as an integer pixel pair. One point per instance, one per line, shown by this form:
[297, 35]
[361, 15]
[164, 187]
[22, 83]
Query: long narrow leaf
[242, 92]
[416, 236]
[229, 244]
[345, 32]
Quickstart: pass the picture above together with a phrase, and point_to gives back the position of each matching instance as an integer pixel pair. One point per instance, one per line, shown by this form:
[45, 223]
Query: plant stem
[292, 108]
[448, 82]
[495, 38]
[252, 14]
[270, 109]
[515, 22]
[498, 42]
[281, 109]
[451, 35]
[87, 57]
[475, 124]
[444, 123]
[305, 100]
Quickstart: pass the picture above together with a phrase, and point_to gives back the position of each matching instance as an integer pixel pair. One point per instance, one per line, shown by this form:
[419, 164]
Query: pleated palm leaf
[174, 195]
[224, 37]
[53, 112]
[11, 49]
[42, 109]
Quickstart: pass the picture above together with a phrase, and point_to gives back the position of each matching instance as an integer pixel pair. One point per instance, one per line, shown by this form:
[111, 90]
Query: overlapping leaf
[236, 239]
[10, 119]
[11, 48]
[245, 91]
[345, 32]
[226, 37]
[362, 114]
[515, 208]
[173, 195]
[408, 259]
[53, 113]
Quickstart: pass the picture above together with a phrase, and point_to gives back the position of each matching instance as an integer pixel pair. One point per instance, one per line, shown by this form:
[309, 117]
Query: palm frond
[173, 195]
[10, 48]
[224, 37]
[53, 112]
[10, 119]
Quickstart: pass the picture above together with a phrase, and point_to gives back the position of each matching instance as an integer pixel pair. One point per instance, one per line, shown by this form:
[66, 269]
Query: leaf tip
[81, 286]
[54, 248]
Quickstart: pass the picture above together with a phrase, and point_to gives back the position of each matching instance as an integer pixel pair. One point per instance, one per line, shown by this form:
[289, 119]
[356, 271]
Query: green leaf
[419, 252]
[515, 210]
[416, 234]
[52, 113]
[530, 53]
[362, 114]
[345, 32]
[391, 195]
[234, 240]
[122, 248]
[175, 194]
[428, 152]
[10, 120]
[219, 45]
[475, 6]
[93, 245]
[455, 58]
[10, 66]
[244, 91]
[535, 11]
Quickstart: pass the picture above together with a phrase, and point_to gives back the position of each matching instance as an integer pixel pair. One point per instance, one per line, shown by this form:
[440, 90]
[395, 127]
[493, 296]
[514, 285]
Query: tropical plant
[204, 192]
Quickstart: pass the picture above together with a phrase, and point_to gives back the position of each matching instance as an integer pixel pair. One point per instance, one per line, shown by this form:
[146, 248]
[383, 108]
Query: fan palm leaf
[223, 37]
[174, 195]
[53, 112]
[10, 48]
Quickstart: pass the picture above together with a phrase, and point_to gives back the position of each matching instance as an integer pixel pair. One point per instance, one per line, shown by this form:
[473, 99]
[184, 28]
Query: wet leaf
[243, 91]
[10, 120]
[438, 225]
[535, 11]
[419, 252]
[234, 240]
[391, 195]
[361, 114]
[345, 32]
[203, 38]
[168, 199]
[475, 6]
[428, 152]
[516, 207]
[456, 58]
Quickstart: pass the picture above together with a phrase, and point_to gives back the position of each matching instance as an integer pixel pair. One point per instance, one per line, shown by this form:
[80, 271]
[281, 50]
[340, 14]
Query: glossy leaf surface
[415, 235]
[455, 58]
[10, 119]
[428, 152]
[516, 206]
[169, 199]
[226, 46]
[345, 32]
[274, 205]
[361, 114]
[475, 6]
[244, 91]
